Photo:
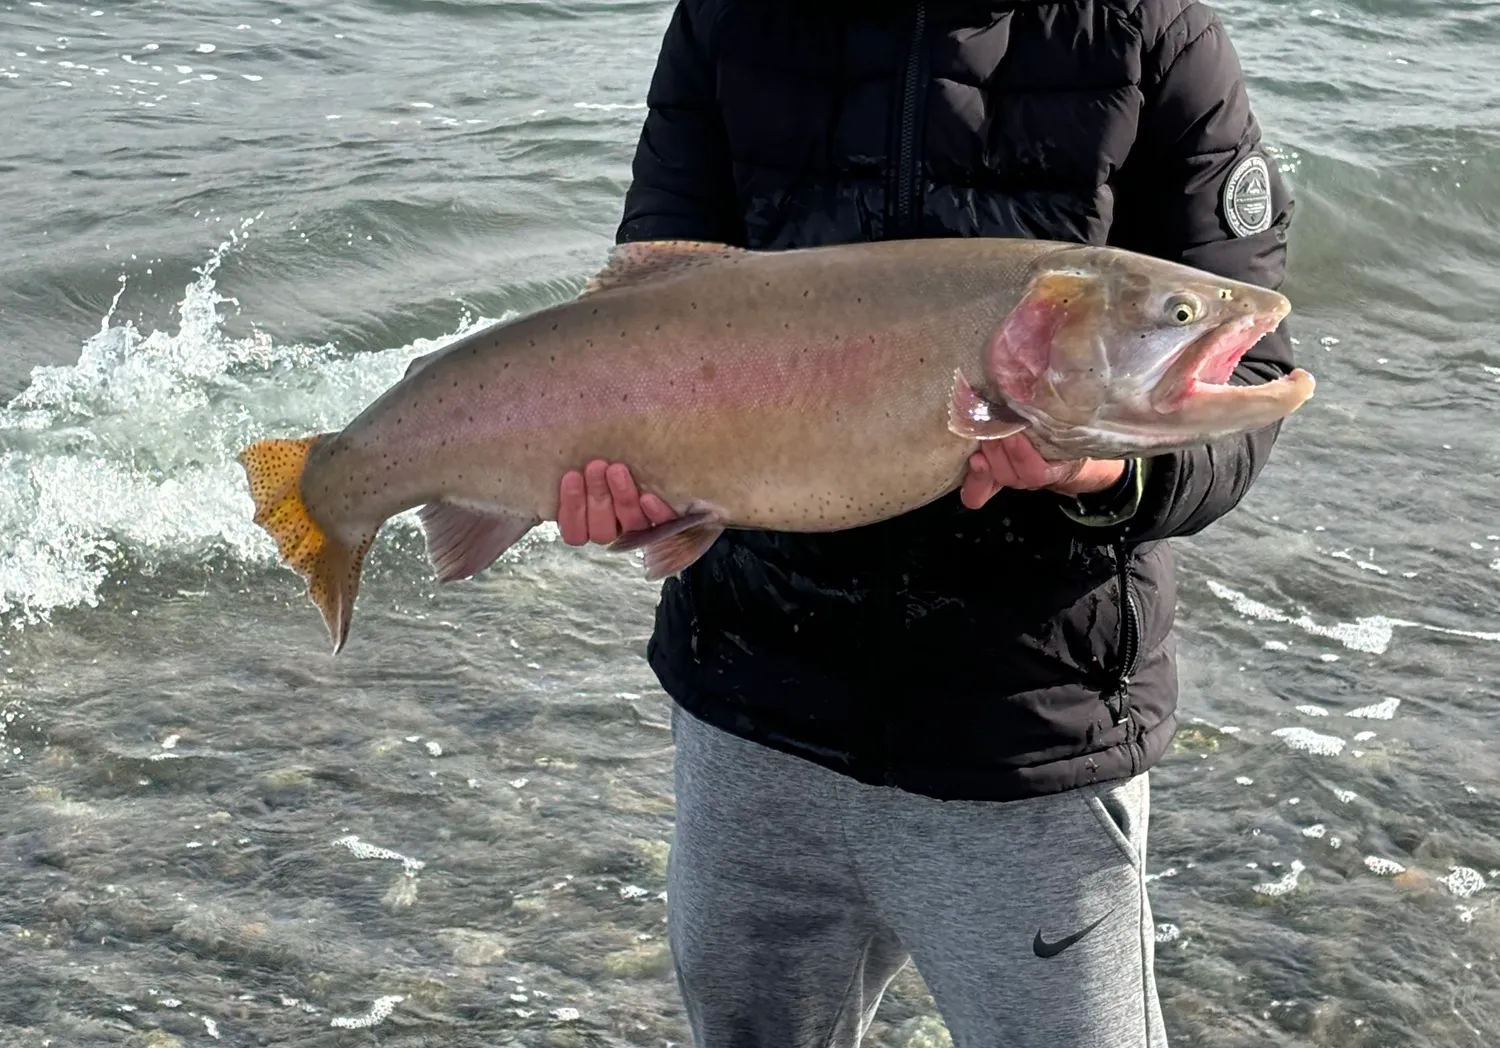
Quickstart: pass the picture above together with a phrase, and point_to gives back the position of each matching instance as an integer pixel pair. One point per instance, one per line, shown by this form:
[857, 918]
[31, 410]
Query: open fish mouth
[1205, 367]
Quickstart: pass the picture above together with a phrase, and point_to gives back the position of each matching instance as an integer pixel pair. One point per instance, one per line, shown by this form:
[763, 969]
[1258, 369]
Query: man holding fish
[929, 737]
[930, 321]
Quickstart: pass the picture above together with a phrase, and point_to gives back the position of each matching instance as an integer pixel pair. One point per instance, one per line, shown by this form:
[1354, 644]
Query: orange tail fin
[331, 568]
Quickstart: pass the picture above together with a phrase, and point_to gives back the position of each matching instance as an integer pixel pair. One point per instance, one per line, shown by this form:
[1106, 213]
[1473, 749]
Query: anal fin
[675, 545]
[462, 542]
[973, 417]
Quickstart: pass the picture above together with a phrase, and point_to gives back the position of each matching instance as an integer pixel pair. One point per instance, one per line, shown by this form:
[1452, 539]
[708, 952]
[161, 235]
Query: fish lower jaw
[1297, 384]
[1208, 364]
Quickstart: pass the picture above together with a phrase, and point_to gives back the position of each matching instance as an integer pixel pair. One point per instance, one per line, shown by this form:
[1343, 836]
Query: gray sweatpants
[796, 894]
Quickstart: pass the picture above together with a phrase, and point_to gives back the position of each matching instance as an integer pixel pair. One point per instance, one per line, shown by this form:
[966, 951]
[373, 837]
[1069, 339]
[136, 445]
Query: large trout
[806, 390]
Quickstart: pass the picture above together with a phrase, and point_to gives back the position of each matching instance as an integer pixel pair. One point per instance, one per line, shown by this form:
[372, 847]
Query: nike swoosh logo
[1042, 948]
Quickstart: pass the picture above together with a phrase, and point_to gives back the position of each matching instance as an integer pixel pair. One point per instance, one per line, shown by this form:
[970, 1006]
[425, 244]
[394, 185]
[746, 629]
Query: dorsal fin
[640, 261]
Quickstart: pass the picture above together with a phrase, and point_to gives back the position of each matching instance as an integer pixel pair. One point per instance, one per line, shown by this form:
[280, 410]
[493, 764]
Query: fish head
[1110, 354]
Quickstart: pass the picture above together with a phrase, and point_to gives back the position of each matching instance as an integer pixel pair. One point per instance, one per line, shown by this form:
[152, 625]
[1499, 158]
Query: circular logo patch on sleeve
[1247, 197]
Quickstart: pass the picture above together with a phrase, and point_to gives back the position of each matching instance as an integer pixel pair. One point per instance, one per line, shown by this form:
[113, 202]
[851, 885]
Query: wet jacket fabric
[1024, 648]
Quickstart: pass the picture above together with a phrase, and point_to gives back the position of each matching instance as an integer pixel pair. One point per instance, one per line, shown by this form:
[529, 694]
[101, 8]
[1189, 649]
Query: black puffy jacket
[1023, 648]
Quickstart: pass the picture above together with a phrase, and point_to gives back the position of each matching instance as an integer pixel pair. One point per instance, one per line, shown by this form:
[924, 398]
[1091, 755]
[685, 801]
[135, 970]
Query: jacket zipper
[1130, 636]
[908, 163]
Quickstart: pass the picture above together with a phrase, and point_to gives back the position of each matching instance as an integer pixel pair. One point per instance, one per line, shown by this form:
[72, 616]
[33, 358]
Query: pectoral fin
[675, 545]
[973, 417]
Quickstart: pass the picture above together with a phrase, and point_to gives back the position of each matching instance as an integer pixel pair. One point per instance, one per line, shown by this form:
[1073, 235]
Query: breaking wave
[131, 451]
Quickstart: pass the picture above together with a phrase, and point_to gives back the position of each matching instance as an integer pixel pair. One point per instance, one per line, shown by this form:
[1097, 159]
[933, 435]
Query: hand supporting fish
[601, 502]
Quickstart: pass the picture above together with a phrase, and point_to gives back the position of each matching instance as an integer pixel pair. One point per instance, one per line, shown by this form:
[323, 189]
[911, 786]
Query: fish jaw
[1198, 398]
[1208, 362]
[1198, 402]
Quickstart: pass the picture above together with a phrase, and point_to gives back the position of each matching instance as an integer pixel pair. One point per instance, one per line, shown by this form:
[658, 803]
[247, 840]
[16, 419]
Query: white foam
[379, 1012]
[1383, 867]
[1310, 741]
[1287, 884]
[131, 450]
[361, 850]
[1370, 634]
[1463, 881]
[1385, 709]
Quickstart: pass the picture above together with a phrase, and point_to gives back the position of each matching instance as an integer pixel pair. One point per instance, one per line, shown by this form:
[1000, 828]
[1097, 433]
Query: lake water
[222, 225]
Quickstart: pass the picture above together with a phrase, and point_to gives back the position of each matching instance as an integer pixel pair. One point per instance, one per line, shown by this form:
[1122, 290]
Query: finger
[656, 510]
[572, 519]
[627, 499]
[1027, 466]
[601, 508]
[979, 483]
[997, 458]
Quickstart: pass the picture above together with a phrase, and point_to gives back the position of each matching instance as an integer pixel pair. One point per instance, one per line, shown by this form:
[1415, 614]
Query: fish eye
[1184, 309]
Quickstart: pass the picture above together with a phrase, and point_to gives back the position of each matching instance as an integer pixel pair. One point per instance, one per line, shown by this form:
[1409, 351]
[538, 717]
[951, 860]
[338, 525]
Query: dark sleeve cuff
[1113, 506]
